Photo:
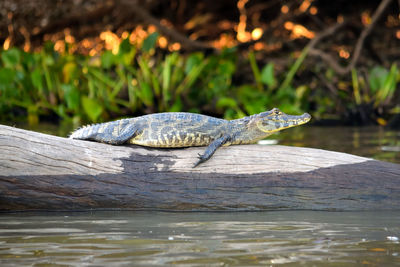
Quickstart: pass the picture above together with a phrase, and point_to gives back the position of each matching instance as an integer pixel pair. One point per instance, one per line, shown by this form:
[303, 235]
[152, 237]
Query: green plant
[93, 89]
[137, 80]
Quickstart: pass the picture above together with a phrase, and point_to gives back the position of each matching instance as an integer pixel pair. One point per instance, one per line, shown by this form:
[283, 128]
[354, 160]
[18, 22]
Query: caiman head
[275, 120]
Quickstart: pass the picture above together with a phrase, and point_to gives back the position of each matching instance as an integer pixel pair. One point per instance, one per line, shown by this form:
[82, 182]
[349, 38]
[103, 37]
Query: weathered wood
[44, 172]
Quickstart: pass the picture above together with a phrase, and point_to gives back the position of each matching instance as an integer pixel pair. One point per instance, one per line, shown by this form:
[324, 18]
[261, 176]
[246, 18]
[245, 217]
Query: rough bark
[44, 172]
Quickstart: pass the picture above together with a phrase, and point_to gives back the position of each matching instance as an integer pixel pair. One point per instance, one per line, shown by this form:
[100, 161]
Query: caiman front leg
[211, 149]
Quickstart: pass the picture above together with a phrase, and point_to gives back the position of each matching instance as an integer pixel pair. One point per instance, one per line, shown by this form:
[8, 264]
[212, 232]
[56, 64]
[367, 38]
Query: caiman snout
[276, 120]
[306, 117]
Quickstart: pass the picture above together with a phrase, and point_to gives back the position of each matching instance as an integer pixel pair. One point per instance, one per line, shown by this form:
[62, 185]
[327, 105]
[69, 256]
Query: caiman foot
[201, 158]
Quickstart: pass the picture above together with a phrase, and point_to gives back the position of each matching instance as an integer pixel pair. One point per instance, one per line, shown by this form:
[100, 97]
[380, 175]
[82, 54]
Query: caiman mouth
[287, 121]
[276, 120]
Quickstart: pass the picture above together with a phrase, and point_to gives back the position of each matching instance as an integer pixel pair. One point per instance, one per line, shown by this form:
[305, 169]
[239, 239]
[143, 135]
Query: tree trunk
[43, 172]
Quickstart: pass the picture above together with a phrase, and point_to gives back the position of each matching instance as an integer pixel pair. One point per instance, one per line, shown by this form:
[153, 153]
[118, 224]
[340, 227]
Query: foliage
[98, 88]
[136, 80]
[377, 89]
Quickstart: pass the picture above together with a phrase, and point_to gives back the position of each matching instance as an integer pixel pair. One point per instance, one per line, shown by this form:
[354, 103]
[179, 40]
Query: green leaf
[294, 68]
[377, 77]
[71, 94]
[36, 77]
[126, 53]
[227, 68]
[6, 76]
[267, 75]
[177, 106]
[92, 108]
[226, 102]
[389, 86]
[107, 59]
[145, 69]
[125, 46]
[301, 91]
[166, 73]
[256, 70]
[192, 61]
[48, 60]
[70, 71]
[150, 42]
[11, 57]
[356, 86]
[146, 94]
[33, 116]
[191, 78]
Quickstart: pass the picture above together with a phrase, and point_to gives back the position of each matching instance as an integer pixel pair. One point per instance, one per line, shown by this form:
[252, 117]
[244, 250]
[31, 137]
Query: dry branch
[358, 47]
[174, 35]
[43, 172]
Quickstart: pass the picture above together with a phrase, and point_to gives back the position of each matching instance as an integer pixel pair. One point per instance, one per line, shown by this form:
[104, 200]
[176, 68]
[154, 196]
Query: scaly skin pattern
[179, 129]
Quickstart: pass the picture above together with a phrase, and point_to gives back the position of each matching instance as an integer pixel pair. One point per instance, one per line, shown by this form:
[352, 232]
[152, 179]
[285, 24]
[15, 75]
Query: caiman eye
[276, 111]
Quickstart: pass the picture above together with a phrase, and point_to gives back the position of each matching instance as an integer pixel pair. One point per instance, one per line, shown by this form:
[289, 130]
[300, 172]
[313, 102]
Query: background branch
[358, 48]
[172, 34]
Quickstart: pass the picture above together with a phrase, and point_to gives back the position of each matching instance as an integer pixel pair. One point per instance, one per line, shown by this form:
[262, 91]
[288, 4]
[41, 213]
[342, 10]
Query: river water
[271, 238]
[284, 238]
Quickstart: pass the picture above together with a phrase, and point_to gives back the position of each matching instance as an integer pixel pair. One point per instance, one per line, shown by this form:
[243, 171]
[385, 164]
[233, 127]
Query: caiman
[180, 129]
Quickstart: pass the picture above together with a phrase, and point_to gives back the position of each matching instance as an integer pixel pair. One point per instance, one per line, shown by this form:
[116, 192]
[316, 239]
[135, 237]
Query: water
[373, 142]
[286, 238]
[273, 238]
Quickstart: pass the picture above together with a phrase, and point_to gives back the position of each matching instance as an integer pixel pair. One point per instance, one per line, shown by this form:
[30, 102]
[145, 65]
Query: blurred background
[74, 62]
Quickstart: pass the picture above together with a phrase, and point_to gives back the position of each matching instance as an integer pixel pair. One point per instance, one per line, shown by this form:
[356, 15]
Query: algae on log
[44, 172]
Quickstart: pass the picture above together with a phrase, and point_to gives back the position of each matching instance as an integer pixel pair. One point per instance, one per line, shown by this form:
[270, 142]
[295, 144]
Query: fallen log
[44, 172]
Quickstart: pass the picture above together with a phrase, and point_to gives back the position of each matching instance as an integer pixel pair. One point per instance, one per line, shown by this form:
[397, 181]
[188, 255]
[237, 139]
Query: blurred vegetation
[91, 61]
[93, 89]
[135, 80]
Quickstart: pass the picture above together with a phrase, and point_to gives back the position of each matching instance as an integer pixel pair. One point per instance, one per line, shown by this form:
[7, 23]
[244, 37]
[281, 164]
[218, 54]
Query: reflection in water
[198, 239]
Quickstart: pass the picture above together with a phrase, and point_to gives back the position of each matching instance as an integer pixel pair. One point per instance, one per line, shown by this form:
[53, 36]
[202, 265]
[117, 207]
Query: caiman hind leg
[210, 150]
[115, 136]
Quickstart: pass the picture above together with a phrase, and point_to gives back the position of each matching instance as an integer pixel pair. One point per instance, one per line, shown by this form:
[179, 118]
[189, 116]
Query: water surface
[373, 141]
[284, 238]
